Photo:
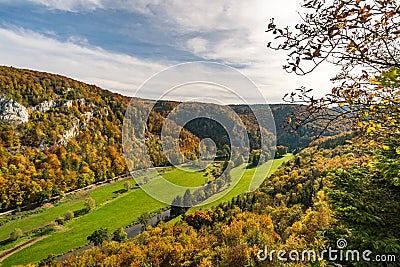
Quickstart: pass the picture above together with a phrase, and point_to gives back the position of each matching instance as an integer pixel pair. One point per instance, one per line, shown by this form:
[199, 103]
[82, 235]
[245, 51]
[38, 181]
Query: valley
[63, 151]
[70, 137]
[115, 208]
[199, 134]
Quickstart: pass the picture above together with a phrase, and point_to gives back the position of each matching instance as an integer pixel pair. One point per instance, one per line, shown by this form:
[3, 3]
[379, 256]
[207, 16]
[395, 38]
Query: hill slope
[58, 134]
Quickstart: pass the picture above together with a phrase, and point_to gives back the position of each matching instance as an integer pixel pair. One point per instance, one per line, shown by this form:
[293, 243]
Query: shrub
[69, 215]
[90, 204]
[17, 233]
[60, 220]
[127, 185]
[52, 224]
[51, 260]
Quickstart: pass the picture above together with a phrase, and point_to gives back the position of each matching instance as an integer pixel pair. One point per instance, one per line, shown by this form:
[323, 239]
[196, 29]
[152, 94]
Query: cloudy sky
[118, 44]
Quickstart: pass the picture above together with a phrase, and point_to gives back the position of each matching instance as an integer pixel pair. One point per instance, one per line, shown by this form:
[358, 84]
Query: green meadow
[242, 178]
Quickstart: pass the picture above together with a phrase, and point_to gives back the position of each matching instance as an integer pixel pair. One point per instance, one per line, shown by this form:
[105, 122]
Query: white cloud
[70, 5]
[191, 16]
[232, 32]
[197, 45]
[118, 72]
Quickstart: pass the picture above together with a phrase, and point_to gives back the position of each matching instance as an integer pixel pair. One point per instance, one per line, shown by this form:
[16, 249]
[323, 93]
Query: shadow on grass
[121, 191]
[6, 242]
[250, 166]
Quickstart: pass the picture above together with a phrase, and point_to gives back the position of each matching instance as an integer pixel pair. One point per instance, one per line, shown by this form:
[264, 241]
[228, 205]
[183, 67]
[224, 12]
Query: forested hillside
[70, 138]
[58, 134]
[286, 135]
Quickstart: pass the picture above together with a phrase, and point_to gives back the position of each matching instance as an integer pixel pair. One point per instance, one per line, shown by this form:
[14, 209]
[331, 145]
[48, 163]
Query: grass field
[185, 177]
[243, 183]
[173, 183]
[31, 222]
[115, 209]
[112, 215]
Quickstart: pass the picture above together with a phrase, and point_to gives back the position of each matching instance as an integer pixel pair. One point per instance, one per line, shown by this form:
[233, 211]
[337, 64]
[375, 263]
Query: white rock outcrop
[13, 112]
[67, 104]
[71, 133]
[44, 106]
[87, 116]
[81, 102]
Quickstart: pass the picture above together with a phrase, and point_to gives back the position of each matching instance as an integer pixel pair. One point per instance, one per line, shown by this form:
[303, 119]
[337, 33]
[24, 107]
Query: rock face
[71, 133]
[81, 101]
[12, 112]
[67, 104]
[87, 116]
[44, 106]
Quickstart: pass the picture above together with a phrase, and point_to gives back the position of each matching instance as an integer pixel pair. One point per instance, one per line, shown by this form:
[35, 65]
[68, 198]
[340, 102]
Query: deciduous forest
[342, 183]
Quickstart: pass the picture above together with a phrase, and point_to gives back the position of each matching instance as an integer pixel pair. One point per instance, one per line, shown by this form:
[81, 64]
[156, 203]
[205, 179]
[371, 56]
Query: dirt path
[9, 252]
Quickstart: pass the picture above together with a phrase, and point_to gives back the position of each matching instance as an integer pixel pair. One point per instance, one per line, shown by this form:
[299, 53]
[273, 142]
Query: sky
[119, 44]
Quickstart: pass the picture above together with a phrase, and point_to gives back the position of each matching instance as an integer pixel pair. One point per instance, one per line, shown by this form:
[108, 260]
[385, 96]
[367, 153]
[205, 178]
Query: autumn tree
[90, 204]
[127, 185]
[362, 39]
[200, 218]
[17, 233]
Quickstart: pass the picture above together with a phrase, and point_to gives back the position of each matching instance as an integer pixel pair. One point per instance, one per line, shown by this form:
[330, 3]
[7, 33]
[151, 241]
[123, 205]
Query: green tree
[176, 207]
[98, 237]
[281, 151]
[120, 235]
[145, 219]
[187, 200]
[255, 156]
[366, 202]
[49, 261]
